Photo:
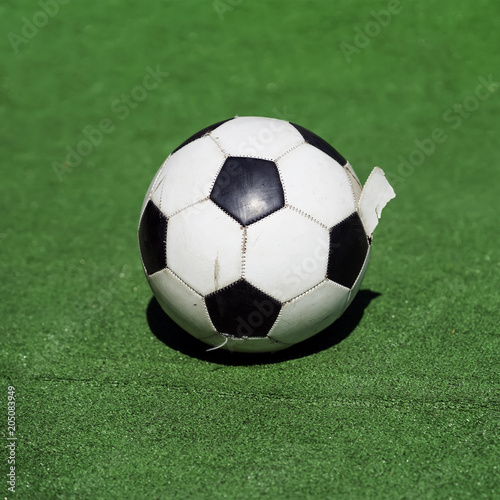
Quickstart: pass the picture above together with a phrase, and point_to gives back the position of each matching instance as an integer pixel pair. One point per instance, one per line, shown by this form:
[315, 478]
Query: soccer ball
[255, 234]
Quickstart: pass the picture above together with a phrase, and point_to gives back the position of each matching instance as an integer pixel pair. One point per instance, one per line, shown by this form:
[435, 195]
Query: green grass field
[399, 399]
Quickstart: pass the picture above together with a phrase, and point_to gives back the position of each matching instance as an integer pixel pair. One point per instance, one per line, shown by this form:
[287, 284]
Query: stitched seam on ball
[214, 180]
[352, 190]
[276, 321]
[305, 293]
[368, 237]
[290, 150]
[160, 187]
[183, 282]
[358, 182]
[157, 180]
[250, 283]
[255, 157]
[244, 252]
[350, 179]
[224, 152]
[216, 334]
[306, 215]
[189, 206]
[225, 212]
[225, 287]
[371, 174]
[266, 158]
[268, 215]
[281, 182]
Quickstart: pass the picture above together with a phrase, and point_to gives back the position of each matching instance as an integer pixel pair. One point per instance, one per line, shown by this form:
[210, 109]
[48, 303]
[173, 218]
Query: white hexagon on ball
[286, 254]
[188, 175]
[204, 247]
[317, 184]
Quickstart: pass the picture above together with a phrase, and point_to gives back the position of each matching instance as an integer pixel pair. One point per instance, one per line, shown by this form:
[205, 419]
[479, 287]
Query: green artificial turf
[398, 400]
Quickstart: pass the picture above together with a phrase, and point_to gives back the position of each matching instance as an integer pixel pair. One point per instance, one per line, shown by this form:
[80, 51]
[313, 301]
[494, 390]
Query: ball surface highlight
[255, 233]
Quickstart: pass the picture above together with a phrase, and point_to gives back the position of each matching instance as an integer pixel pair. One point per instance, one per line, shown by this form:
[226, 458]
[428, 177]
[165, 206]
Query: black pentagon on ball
[316, 141]
[201, 133]
[152, 238]
[248, 189]
[348, 249]
[240, 310]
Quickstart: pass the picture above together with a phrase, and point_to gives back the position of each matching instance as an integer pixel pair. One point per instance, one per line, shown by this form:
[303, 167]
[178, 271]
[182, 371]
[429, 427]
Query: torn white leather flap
[376, 193]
